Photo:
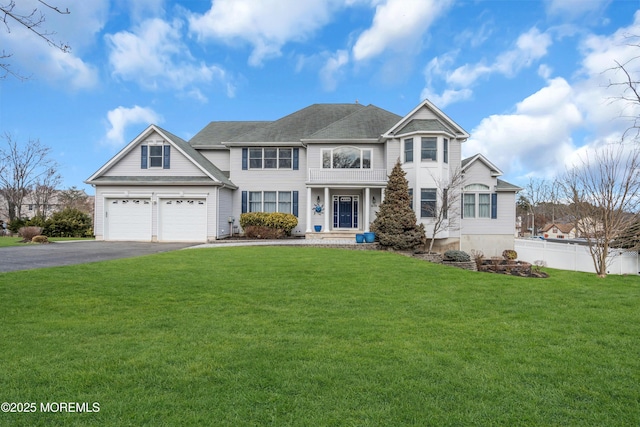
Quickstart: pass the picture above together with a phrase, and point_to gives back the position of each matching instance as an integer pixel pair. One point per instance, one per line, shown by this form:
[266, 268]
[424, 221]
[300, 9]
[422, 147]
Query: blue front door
[345, 212]
[345, 207]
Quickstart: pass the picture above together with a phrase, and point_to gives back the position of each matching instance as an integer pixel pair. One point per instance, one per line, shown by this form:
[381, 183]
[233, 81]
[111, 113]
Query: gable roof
[480, 158]
[215, 133]
[564, 228]
[179, 144]
[300, 124]
[447, 123]
[369, 122]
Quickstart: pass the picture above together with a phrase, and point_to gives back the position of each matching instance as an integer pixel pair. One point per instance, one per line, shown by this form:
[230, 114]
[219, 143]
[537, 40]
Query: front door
[345, 212]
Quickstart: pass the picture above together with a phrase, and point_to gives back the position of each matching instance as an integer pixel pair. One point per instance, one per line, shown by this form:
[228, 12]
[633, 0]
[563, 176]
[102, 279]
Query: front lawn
[17, 241]
[314, 337]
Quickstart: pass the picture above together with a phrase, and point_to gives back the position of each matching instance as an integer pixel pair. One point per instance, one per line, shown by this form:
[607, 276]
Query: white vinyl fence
[568, 256]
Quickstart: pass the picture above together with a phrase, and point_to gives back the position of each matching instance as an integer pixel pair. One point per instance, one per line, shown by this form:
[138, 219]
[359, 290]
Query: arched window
[346, 158]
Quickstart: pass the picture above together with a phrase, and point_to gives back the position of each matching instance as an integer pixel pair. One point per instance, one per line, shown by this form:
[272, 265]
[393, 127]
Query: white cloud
[529, 47]
[569, 9]
[330, 72]
[34, 57]
[538, 134]
[155, 57]
[396, 24]
[266, 25]
[122, 117]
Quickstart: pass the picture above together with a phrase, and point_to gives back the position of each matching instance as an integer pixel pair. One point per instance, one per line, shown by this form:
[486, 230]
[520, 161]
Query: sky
[533, 82]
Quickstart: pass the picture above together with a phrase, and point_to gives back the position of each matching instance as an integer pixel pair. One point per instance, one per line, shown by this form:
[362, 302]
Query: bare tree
[33, 20]
[44, 190]
[74, 198]
[446, 208]
[24, 167]
[604, 191]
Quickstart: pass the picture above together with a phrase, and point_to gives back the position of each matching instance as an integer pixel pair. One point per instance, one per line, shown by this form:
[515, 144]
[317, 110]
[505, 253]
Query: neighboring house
[32, 207]
[327, 164]
[556, 230]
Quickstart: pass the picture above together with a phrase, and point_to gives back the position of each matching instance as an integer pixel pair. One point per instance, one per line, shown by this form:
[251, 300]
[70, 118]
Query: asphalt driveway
[29, 257]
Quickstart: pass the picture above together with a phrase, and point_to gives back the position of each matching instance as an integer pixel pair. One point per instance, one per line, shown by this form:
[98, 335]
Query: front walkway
[347, 243]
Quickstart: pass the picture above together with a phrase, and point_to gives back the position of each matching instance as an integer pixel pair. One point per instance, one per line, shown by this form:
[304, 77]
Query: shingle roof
[198, 158]
[299, 125]
[505, 186]
[217, 132]
[428, 125]
[367, 122]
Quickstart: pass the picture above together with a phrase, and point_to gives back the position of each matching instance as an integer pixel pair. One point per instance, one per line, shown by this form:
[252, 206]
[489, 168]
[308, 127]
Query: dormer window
[346, 158]
[155, 155]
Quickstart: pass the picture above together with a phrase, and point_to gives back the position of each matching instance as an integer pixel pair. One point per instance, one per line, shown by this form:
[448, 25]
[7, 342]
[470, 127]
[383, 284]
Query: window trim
[262, 200]
[431, 202]
[434, 150]
[361, 156]
[408, 141]
[252, 155]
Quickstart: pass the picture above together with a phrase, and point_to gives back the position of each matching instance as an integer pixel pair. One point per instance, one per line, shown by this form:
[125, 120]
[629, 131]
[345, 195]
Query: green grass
[313, 336]
[17, 241]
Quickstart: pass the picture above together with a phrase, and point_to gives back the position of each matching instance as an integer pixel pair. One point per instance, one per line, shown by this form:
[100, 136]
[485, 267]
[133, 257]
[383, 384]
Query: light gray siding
[130, 164]
[220, 158]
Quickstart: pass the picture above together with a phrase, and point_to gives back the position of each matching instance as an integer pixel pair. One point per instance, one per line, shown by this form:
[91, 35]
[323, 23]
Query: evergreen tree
[396, 224]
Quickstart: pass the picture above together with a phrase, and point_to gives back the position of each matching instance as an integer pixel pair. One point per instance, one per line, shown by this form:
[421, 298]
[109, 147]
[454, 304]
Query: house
[556, 230]
[327, 164]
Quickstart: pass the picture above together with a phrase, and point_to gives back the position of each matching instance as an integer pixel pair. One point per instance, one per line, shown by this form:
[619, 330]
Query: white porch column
[308, 210]
[327, 210]
[367, 208]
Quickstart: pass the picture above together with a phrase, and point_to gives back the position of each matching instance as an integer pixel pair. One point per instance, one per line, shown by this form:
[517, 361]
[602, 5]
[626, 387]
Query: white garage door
[128, 219]
[183, 220]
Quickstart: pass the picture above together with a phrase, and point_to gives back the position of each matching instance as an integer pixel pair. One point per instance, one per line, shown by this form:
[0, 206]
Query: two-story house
[327, 164]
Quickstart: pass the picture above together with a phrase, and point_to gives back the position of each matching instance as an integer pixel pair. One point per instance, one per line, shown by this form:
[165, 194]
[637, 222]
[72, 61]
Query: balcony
[347, 176]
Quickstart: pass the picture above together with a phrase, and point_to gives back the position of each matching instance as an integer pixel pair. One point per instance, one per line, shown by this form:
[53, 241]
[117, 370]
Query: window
[411, 198]
[427, 202]
[469, 202]
[269, 201]
[408, 150]
[255, 201]
[445, 150]
[155, 155]
[284, 202]
[484, 205]
[268, 158]
[255, 158]
[429, 149]
[346, 158]
[479, 204]
[284, 158]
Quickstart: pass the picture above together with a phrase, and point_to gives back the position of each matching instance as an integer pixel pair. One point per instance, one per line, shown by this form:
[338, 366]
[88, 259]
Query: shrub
[15, 225]
[40, 239]
[28, 233]
[509, 254]
[69, 222]
[478, 257]
[457, 256]
[276, 221]
[262, 232]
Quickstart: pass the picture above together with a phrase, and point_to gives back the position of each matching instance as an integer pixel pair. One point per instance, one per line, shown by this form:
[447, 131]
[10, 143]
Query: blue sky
[527, 79]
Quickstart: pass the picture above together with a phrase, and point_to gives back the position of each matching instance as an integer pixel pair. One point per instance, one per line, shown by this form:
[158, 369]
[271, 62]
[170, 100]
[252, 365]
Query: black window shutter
[296, 159]
[143, 156]
[166, 163]
[295, 203]
[244, 202]
[461, 206]
[245, 155]
[494, 205]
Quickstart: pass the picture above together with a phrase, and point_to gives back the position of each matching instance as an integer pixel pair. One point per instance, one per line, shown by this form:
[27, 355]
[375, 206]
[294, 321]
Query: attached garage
[182, 220]
[128, 219]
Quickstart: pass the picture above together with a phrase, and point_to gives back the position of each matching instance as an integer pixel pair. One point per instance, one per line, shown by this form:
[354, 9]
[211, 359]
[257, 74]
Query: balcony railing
[347, 176]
